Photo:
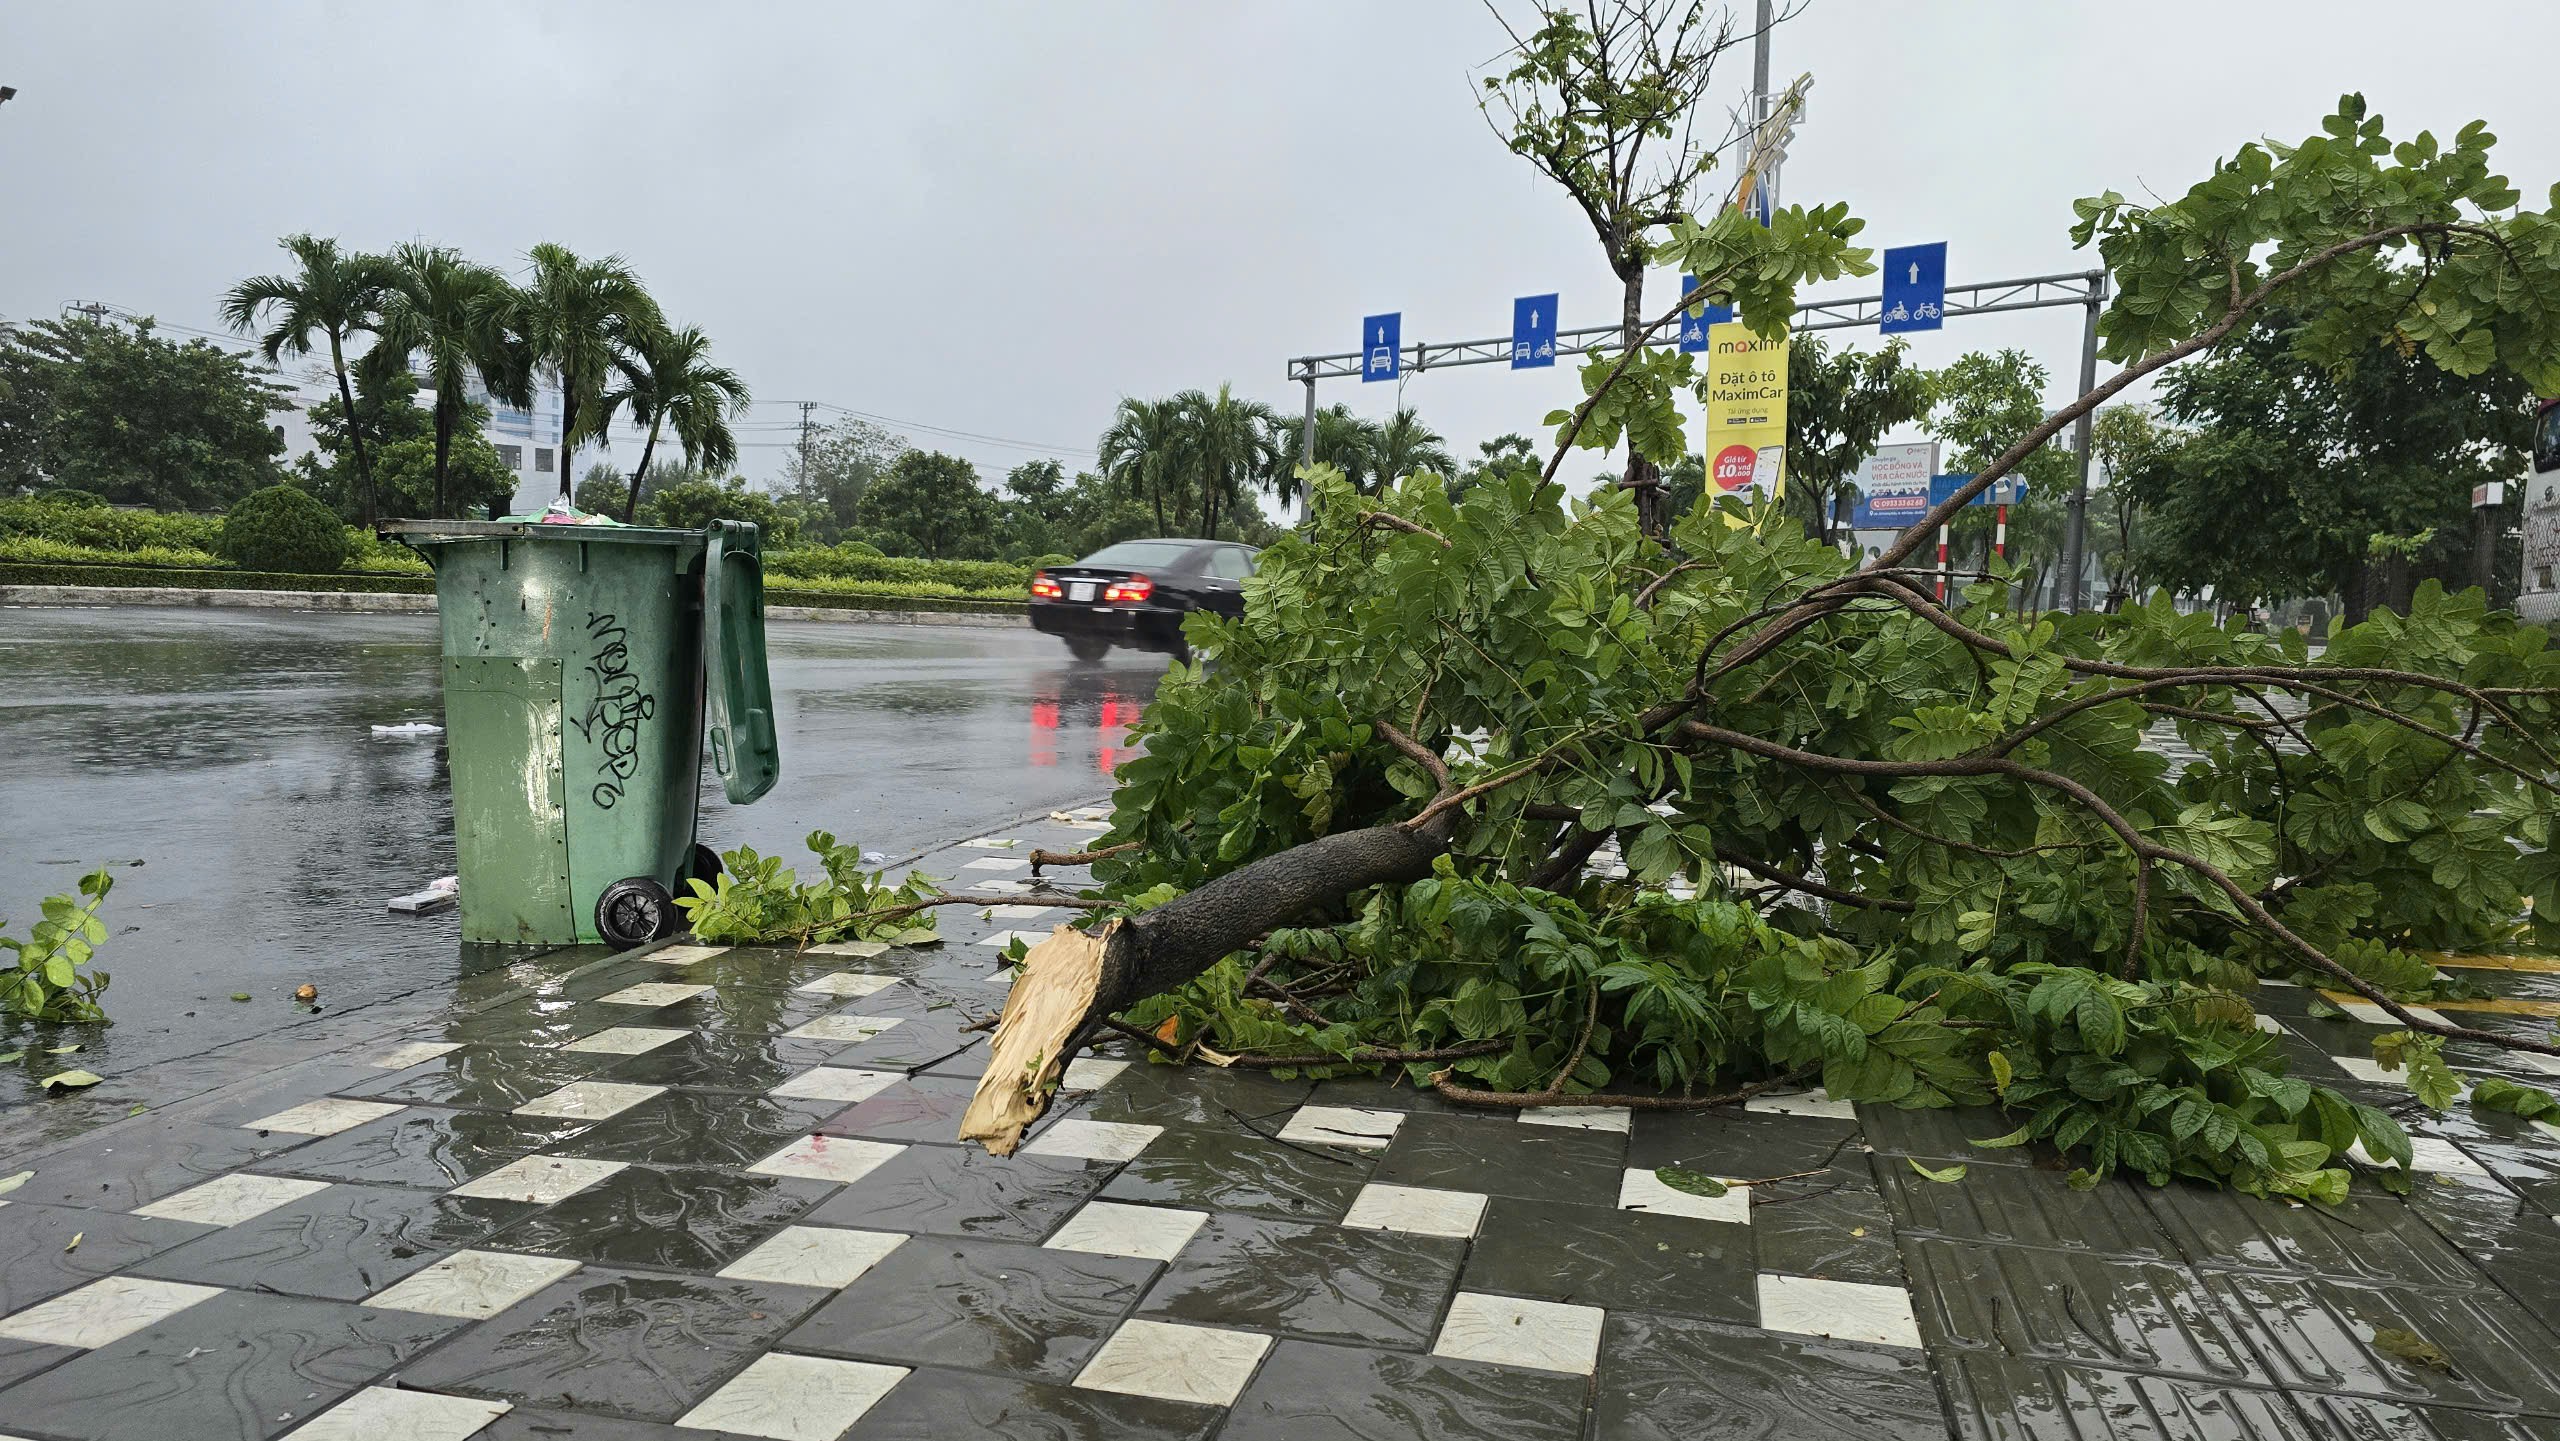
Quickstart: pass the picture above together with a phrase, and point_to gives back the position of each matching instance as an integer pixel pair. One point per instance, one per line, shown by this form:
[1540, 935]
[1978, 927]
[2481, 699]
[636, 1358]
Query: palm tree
[1344, 441]
[338, 294]
[668, 379]
[580, 319]
[1226, 444]
[1141, 450]
[454, 311]
[1405, 446]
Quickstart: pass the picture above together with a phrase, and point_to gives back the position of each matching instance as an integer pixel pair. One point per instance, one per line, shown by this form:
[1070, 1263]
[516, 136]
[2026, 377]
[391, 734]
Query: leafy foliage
[281, 528]
[758, 900]
[131, 417]
[55, 978]
[931, 504]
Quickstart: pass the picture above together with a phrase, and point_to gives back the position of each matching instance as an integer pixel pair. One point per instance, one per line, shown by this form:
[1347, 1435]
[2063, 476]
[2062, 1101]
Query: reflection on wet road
[231, 753]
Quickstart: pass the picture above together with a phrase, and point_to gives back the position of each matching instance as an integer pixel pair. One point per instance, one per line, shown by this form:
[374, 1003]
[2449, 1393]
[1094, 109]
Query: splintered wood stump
[1074, 979]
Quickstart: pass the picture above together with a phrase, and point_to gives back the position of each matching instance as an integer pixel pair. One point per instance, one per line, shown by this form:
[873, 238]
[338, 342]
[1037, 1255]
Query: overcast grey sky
[1000, 218]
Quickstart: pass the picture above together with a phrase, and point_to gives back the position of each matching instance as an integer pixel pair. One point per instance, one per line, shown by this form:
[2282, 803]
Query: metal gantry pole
[1307, 435]
[2075, 538]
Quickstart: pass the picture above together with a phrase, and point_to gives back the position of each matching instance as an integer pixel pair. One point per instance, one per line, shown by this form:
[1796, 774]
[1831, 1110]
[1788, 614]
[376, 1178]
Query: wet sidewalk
[715, 1192]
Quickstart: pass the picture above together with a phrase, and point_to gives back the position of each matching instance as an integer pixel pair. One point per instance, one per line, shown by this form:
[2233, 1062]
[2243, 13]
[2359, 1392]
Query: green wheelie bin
[587, 670]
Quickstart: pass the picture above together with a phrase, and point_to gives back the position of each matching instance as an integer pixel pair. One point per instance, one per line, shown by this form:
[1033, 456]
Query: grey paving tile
[1996, 1398]
[755, 1009]
[529, 1423]
[1023, 1311]
[720, 1061]
[1203, 1096]
[2362, 1239]
[1947, 1133]
[934, 1404]
[1821, 1227]
[622, 1343]
[1661, 1377]
[1746, 1145]
[2023, 1206]
[1322, 1283]
[134, 1164]
[2357, 1418]
[343, 1243]
[1602, 1256]
[238, 1365]
[484, 1076]
[686, 1218]
[1392, 1093]
[912, 1044]
[701, 1128]
[2319, 1335]
[1501, 1157]
[2506, 1237]
[1360, 1394]
[919, 1108]
[1215, 1169]
[2064, 1307]
[423, 1146]
[22, 1359]
[37, 1260]
[963, 1191]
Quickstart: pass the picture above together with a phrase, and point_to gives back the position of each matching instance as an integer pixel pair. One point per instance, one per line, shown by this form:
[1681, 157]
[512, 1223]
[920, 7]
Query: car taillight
[1136, 587]
[1041, 585]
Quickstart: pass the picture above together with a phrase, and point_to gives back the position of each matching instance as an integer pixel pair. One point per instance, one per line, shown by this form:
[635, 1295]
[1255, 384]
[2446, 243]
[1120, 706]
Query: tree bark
[444, 448]
[639, 473]
[1641, 475]
[355, 432]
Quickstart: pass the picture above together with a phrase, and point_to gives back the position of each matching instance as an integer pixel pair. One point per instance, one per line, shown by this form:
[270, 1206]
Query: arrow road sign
[1533, 332]
[1694, 323]
[1915, 288]
[1382, 343]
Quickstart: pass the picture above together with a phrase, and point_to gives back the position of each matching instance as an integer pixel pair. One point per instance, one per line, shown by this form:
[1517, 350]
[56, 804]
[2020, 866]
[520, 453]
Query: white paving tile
[325, 1117]
[103, 1311]
[839, 1083]
[2373, 1015]
[859, 950]
[814, 1256]
[996, 863]
[842, 1028]
[1020, 913]
[1342, 1126]
[794, 1398]
[1090, 1073]
[685, 955]
[1579, 1118]
[848, 983]
[827, 1158]
[379, 1413]
[2430, 1155]
[626, 1040]
[2267, 1023]
[473, 1285]
[589, 1100]
[1002, 939]
[1109, 1228]
[1642, 1190]
[1203, 1365]
[539, 1179]
[653, 993]
[1093, 1140]
[1416, 1209]
[1841, 1310]
[230, 1200]
[1816, 1102]
[412, 1053]
[1508, 1331]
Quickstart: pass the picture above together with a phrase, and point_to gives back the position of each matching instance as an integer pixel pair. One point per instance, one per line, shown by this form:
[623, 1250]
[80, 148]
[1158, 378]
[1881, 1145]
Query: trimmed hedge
[139, 576]
[840, 563]
[860, 600]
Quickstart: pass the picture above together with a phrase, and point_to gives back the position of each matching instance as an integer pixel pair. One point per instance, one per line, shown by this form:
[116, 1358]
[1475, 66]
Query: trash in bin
[588, 670]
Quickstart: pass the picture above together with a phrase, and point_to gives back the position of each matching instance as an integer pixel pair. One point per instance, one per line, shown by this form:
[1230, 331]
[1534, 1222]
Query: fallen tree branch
[1041, 858]
[1389, 520]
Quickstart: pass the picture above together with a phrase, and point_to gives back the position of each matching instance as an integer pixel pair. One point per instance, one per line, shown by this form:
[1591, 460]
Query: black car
[1136, 593]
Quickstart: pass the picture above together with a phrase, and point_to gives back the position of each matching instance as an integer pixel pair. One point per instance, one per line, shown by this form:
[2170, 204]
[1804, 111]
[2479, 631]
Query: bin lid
[447, 532]
[737, 683]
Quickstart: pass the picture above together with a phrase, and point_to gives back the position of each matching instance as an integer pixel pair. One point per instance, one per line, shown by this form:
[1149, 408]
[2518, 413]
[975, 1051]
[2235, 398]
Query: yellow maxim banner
[1746, 411]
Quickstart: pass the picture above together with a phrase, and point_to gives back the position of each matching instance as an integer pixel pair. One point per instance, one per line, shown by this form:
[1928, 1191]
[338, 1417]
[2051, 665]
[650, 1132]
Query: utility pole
[806, 408]
[1760, 99]
[2075, 536]
[1307, 436]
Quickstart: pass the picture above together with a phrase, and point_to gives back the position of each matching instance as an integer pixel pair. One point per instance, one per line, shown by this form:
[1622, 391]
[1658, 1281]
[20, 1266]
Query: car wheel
[1088, 648]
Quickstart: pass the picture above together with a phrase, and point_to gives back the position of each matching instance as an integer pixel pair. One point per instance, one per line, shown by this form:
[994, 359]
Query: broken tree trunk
[1074, 980]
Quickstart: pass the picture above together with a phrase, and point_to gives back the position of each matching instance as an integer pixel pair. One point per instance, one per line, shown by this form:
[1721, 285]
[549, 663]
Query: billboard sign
[1746, 411]
[1893, 485]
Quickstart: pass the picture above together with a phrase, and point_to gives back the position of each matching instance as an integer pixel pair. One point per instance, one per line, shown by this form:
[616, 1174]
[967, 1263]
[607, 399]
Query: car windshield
[1141, 552]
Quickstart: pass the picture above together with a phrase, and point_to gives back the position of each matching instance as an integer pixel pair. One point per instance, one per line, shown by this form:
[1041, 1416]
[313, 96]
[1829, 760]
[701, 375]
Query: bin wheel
[634, 911]
[705, 865]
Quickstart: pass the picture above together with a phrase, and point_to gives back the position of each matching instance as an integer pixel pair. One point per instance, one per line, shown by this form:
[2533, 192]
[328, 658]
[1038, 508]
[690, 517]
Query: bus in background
[2538, 600]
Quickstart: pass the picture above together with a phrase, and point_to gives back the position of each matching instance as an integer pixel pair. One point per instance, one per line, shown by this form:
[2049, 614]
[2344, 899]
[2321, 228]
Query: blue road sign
[1915, 288]
[1382, 346]
[1894, 507]
[1694, 323]
[1533, 332]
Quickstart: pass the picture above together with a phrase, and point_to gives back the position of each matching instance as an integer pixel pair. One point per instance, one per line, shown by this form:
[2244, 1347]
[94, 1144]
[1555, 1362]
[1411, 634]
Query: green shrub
[375, 556]
[68, 495]
[859, 547]
[281, 528]
[39, 549]
[108, 528]
[856, 561]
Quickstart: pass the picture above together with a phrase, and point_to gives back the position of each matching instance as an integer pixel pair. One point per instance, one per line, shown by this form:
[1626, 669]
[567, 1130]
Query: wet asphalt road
[230, 752]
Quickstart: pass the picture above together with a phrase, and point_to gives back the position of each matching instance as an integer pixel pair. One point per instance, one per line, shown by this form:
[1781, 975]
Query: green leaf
[11, 1183]
[13, 1056]
[240, 995]
[2413, 1348]
[70, 1080]
[1695, 1183]
[2497, 1093]
[1947, 1177]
